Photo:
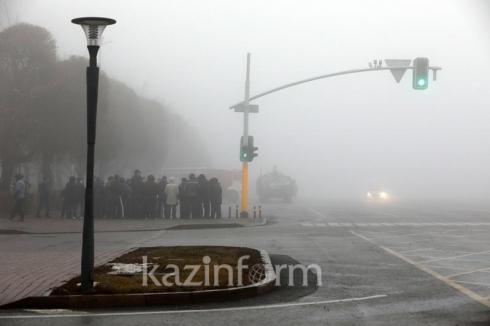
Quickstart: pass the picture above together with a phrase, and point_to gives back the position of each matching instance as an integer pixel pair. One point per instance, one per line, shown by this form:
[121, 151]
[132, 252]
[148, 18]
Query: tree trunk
[8, 167]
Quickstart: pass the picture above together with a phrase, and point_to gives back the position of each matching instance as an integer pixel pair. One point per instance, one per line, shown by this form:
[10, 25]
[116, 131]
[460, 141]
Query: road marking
[456, 257]
[484, 301]
[475, 283]
[319, 214]
[175, 312]
[420, 249]
[469, 272]
[356, 224]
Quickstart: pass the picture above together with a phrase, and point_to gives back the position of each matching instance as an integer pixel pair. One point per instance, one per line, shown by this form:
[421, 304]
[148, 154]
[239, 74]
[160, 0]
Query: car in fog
[377, 196]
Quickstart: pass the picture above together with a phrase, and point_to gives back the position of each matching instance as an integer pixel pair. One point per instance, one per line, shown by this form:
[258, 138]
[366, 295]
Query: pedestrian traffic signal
[420, 73]
[247, 149]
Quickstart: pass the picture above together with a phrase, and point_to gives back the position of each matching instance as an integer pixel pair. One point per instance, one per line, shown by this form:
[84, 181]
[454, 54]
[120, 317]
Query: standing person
[44, 192]
[215, 194]
[19, 196]
[109, 197]
[99, 197]
[72, 196]
[136, 184]
[80, 198]
[150, 197]
[63, 202]
[171, 199]
[184, 201]
[192, 193]
[125, 197]
[118, 189]
[204, 195]
[161, 196]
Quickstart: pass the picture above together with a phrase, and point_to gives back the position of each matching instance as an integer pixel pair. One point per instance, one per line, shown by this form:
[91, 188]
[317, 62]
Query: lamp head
[93, 28]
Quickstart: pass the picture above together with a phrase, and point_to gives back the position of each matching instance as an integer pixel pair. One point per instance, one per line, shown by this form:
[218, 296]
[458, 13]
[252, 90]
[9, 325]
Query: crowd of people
[135, 197]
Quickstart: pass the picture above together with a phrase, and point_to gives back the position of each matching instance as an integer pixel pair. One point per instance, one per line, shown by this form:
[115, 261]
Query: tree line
[43, 116]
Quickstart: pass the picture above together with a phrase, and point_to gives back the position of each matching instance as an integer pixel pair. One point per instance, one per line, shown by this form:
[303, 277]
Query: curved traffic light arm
[340, 73]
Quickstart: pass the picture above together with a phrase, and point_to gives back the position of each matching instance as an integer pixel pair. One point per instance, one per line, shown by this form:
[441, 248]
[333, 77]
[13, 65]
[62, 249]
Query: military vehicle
[276, 185]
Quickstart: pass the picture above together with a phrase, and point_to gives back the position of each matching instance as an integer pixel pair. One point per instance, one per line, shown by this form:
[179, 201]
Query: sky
[338, 137]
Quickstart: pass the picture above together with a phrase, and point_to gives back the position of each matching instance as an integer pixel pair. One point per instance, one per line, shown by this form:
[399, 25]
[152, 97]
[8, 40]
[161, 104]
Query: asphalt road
[410, 264]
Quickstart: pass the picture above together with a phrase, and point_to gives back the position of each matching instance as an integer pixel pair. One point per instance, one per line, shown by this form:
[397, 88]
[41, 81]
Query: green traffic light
[243, 155]
[420, 73]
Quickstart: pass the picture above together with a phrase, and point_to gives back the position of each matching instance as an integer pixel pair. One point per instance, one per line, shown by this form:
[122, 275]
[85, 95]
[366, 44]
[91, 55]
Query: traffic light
[251, 149]
[247, 149]
[420, 73]
[243, 151]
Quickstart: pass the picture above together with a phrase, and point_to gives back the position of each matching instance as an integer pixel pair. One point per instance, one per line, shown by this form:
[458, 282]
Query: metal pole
[340, 73]
[87, 272]
[244, 208]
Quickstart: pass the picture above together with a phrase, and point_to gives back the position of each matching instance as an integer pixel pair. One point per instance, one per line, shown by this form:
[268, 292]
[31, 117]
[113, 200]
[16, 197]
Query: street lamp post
[93, 28]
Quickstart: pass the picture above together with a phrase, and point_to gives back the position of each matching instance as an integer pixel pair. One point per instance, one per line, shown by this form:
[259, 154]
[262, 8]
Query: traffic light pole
[340, 73]
[245, 107]
[244, 203]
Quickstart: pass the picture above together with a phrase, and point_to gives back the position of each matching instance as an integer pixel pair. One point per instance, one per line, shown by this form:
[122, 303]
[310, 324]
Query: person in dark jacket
[71, 198]
[111, 197]
[215, 196]
[161, 196]
[19, 190]
[80, 198]
[204, 195]
[183, 200]
[137, 188]
[125, 196]
[44, 193]
[150, 197]
[99, 198]
[192, 193]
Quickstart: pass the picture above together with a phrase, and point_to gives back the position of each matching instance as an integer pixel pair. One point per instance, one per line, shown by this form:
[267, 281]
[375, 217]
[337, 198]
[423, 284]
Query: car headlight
[383, 195]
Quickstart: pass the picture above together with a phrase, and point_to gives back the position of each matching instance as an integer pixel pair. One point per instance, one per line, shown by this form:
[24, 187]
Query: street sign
[252, 108]
[395, 67]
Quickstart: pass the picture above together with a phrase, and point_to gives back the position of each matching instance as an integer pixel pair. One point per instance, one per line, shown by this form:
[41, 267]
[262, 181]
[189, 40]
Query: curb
[169, 228]
[150, 299]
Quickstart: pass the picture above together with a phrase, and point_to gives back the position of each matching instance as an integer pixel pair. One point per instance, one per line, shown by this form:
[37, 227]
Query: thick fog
[338, 137]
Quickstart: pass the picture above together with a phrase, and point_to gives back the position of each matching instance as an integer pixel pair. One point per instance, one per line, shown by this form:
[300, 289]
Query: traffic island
[153, 276]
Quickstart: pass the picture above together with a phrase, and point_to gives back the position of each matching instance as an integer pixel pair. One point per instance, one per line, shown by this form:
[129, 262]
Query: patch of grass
[180, 256]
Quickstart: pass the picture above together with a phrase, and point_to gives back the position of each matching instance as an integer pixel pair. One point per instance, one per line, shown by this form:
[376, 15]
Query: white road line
[343, 224]
[469, 272]
[474, 283]
[190, 311]
[456, 257]
[414, 250]
[475, 296]
[319, 214]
